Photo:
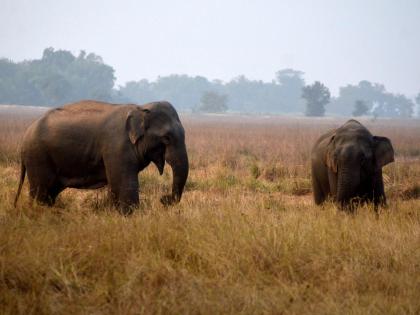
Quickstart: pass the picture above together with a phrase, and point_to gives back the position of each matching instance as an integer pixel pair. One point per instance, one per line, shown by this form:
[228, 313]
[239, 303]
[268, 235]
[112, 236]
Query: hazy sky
[336, 42]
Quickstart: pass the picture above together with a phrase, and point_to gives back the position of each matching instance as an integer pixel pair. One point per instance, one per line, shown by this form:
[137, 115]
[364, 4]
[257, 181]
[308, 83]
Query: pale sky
[336, 42]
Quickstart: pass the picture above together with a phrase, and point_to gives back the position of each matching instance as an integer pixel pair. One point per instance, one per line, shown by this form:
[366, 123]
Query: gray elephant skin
[347, 166]
[90, 144]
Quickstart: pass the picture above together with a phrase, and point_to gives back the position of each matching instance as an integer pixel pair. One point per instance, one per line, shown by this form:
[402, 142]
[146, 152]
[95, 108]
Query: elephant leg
[319, 196]
[319, 183]
[40, 194]
[129, 194]
[378, 190]
[44, 194]
[54, 191]
[123, 186]
[332, 181]
[42, 181]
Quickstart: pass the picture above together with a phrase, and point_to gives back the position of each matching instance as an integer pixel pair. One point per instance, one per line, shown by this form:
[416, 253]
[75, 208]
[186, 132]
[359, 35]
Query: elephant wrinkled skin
[91, 144]
[347, 166]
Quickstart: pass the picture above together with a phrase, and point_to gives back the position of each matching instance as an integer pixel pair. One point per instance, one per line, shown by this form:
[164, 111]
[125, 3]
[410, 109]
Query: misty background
[299, 57]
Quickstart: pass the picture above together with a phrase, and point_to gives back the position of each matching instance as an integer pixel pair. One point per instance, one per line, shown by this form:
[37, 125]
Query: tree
[282, 95]
[212, 102]
[139, 92]
[291, 83]
[317, 96]
[244, 94]
[371, 93]
[360, 108]
[183, 91]
[57, 78]
[376, 98]
[418, 104]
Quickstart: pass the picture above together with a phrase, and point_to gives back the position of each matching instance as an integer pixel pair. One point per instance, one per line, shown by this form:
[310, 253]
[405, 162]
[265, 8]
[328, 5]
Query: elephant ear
[136, 124]
[383, 150]
[330, 157]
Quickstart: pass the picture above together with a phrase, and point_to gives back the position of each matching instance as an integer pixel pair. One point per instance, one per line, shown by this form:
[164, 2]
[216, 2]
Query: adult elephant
[91, 144]
[347, 165]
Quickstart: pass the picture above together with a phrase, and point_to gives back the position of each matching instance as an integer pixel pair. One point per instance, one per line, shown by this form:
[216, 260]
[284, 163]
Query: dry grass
[246, 237]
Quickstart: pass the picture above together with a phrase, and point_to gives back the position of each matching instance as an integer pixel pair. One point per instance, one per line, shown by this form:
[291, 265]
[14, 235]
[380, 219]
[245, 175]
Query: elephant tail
[22, 178]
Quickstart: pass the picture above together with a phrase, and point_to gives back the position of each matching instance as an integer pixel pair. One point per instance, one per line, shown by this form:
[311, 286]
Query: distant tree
[282, 95]
[378, 100]
[360, 108]
[317, 96]
[287, 76]
[243, 93]
[9, 88]
[57, 78]
[418, 104]
[396, 105]
[291, 83]
[139, 92]
[255, 96]
[371, 93]
[183, 91]
[212, 102]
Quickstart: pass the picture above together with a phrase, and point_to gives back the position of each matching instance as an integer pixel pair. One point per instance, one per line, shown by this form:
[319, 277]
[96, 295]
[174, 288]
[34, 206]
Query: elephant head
[356, 158]
[157, 135]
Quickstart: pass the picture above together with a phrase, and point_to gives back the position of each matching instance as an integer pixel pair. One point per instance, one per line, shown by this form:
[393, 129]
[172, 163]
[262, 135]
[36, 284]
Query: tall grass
[246, 237]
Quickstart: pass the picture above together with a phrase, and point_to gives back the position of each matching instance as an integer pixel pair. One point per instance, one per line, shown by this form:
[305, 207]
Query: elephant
[347, 166]
[91, 144]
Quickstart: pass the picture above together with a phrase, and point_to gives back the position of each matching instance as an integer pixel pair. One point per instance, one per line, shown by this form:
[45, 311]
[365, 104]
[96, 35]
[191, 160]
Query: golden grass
[246, 237]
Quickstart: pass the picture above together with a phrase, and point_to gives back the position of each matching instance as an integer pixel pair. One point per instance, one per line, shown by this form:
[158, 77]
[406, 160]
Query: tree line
[57, 78]
[61, 77]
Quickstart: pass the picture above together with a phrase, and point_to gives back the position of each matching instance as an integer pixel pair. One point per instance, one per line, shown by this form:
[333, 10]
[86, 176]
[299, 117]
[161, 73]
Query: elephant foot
[168, 200]
[126, 210]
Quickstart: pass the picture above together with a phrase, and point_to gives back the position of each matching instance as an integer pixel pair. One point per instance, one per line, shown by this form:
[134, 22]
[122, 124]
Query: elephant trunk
[347, 184]
[178, 160]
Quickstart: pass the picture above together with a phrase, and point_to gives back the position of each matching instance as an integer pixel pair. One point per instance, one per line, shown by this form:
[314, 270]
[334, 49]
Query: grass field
[245, 239]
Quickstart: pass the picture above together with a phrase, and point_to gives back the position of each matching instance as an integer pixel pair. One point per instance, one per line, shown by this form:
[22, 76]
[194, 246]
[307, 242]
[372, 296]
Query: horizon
[216, 40]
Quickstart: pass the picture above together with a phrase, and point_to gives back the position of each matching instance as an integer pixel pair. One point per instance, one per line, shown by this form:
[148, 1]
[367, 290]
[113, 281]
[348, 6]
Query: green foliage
[375, 96]
[57, 78]
[181, 90]
[225, 181]
[256, 185]
[395, 105]
[417, 99]
[255, 171]
[60, 77]
[291, 85]
[185, 92]
[212, 102]
[360, 108]
[317, 96]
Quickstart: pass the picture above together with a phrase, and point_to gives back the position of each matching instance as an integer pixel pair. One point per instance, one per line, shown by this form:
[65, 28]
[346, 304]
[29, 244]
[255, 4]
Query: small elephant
[347, 165]
[91, 144]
